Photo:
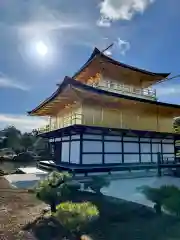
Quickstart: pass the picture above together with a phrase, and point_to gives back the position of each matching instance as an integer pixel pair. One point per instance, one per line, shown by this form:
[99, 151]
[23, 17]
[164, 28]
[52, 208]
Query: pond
[129, 189]
[10, 166]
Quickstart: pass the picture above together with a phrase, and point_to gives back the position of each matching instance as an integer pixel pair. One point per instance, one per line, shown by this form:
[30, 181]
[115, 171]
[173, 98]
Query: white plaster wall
[92, 146]
[168, 148]
[156, 140]
[115, 147]
[75, 152]
[113, 158]
[116, 138]
[166, 155]
[145, 139]
[146, 158]
[57, 139]
[65, 152]
[131, 147]
[75, 137]
[154, 157]
[131, 158]
[89, 136]
[92, 158]
[156, 147]
[168, 140]
[145, 147]
[133, 139]
[65, 138]
[112, 147]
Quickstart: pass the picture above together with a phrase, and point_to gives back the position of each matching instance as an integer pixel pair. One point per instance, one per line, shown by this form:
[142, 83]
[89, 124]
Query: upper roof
[97, 53]
[69, 84]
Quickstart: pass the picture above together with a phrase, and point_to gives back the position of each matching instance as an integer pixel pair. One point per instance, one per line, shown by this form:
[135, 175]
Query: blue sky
[146, 34]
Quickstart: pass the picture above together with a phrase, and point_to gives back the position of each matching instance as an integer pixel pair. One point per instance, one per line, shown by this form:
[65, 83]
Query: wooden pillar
[81, 148]
[159, 173]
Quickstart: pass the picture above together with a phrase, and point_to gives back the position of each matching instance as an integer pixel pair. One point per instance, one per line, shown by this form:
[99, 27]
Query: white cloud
[6, 82]
[21, 122]
[44, 21]
[113, 10]
[120, 45]
[103, 22]
[108, 52]
[123, 46]
[42, 27]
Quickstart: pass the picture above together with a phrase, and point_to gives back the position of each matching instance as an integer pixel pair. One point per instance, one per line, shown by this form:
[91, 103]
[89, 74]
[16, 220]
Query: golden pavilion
[107, 114]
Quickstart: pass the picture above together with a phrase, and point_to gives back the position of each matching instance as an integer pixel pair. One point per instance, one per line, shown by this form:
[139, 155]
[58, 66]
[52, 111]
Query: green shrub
[159, 195]
[56, 178]
[97, 183]
[74, 216]
[172, 203]
[47, 194]
[53, 189]
[168, 191]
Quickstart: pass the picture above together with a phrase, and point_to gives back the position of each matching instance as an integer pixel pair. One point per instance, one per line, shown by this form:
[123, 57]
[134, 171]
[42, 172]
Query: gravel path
[17, 208]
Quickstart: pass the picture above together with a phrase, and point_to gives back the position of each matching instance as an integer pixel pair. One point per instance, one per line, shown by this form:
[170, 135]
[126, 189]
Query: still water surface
[123, 188]
[10, 166]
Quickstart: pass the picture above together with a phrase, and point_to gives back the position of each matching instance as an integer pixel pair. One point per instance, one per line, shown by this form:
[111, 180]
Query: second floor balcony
[62, 122]
[116, 119]
[107, 85]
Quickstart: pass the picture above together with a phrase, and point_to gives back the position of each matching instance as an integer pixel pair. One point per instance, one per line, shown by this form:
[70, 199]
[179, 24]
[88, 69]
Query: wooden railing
[75, 118]
[125, 89]
[43, 129]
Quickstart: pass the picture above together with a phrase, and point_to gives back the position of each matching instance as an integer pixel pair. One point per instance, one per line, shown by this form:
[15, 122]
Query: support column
[176, 127]
[159, 173]
[81, 148]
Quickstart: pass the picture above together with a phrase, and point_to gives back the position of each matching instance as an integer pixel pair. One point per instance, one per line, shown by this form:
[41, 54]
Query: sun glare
[41, 48]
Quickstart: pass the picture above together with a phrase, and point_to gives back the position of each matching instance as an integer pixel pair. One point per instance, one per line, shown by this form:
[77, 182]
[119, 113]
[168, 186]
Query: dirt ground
[17, 208]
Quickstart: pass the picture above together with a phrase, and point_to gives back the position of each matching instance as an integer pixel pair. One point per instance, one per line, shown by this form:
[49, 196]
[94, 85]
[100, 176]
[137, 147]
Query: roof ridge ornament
[110, 46]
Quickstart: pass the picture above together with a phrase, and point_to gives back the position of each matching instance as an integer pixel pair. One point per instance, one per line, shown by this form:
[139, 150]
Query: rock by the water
[2, 172]
[17, 171]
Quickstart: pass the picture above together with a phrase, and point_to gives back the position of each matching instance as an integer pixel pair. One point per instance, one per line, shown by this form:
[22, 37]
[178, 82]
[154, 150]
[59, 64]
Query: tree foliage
[161, 196]
[172, 204]
[172, 201]
[27, 141]
[55, 188]
[74, 216]
[47, 194]
[97, 183]
[14, 139]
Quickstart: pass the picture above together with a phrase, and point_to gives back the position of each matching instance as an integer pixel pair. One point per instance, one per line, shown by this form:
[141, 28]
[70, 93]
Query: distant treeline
[13, 138]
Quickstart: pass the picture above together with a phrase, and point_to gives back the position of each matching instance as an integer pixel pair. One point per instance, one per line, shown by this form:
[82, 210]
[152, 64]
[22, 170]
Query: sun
[41, 48]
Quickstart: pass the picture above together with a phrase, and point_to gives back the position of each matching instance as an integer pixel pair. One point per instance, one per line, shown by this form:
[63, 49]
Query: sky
[42, 41]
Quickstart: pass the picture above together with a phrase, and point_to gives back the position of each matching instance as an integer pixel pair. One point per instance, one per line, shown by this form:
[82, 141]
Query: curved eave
[96, 53]
[66, 81]
[90, 89]
[85, 87]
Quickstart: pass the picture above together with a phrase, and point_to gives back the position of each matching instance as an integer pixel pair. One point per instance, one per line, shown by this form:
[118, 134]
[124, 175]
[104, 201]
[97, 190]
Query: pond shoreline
[19, 208]
[9, 166]
[2, 160]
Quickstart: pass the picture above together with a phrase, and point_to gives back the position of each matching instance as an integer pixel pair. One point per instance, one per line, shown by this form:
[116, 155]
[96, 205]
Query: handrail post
[159, 164]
